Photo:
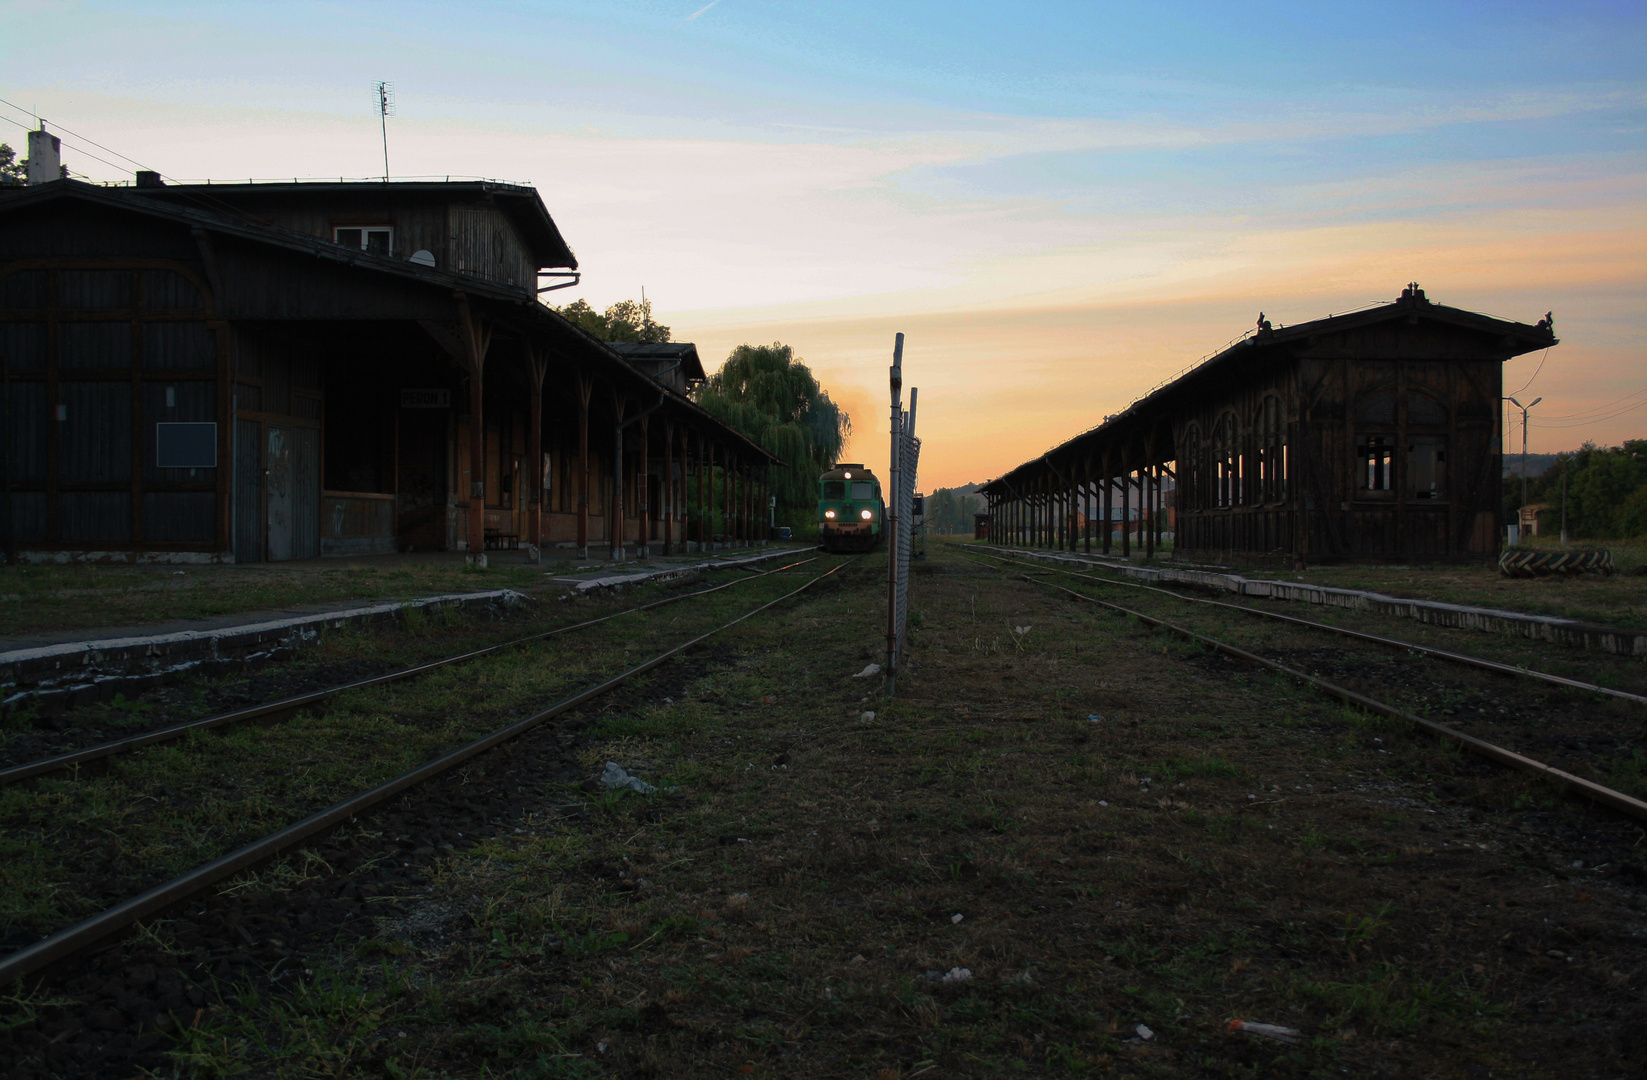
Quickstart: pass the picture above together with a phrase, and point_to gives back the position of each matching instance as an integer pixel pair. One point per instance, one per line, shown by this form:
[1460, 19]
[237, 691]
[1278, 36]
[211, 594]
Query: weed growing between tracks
[73, 844]
[1586, 734]
[1217, 844]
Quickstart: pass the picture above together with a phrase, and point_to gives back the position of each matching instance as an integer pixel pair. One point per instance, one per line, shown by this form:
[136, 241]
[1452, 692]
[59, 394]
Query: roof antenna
[385, 109]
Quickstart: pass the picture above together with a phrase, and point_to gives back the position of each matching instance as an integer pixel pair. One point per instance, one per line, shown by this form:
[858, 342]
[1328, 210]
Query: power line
[77, 149]
[1536, 370]
[198, 198]
[1599, 410]
[82, 138]
[1593, 419]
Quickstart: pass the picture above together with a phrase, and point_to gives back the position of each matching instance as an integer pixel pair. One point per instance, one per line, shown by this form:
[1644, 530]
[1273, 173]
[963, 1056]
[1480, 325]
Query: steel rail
[68, 941]
[1443, 654]
[74, 758]
[1617, 800]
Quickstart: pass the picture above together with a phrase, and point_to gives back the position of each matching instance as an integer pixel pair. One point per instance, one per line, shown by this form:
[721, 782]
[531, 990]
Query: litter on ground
[1268, 1031]
[616, 777]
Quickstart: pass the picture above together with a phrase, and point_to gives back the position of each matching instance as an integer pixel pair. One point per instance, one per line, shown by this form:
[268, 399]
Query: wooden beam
[476, 339]
[537, 363]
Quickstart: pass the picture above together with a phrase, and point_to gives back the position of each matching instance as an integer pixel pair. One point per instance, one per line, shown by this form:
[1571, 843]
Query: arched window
[1375, 445]
[1190, 468]
[1271, 451]
[1426, 448]
[1425, 411]
[1226, 461]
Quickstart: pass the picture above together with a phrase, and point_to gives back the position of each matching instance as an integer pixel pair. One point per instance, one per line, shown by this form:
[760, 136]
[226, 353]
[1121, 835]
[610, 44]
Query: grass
[69, 846]
[791, 908]
[35, 599]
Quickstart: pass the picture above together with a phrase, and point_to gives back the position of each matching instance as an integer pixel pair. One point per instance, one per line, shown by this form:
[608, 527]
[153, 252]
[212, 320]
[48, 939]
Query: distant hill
[1536, 464]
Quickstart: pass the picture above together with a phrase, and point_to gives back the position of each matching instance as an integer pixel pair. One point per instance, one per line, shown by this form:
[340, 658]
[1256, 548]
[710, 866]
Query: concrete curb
[1621, 641]
[670, 573]
[70, 672]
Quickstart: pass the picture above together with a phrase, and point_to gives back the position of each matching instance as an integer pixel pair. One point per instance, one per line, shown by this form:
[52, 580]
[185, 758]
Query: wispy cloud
[698, 12]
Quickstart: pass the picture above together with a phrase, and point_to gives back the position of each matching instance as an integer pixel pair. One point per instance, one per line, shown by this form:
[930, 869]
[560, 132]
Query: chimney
[45, 157]
[149, 178]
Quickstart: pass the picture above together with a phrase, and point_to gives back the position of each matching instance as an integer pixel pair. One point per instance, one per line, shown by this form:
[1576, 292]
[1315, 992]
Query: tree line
[764, 392]
[949, 511]
[1606, 491]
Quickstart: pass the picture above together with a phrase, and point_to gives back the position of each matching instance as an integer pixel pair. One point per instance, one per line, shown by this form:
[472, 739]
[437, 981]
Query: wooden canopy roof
[259, 271]
[1253, 356]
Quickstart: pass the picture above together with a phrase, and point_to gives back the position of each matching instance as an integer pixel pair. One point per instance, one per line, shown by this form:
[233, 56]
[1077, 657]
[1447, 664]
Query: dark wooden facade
[196, 378]
[1373, 435]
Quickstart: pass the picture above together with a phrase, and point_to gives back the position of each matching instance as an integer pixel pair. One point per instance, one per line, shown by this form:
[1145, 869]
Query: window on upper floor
[377, 239]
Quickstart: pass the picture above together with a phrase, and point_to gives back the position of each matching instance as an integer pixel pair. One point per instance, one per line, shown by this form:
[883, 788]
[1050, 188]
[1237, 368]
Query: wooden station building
[1369, 435]
[255, 372]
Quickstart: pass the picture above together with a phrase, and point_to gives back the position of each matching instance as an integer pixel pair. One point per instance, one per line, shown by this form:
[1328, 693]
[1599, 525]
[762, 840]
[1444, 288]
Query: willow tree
[767, 394]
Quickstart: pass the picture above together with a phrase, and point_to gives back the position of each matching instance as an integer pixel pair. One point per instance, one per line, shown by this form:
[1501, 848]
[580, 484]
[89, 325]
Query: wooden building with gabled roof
[1368, 435]
[260, 372]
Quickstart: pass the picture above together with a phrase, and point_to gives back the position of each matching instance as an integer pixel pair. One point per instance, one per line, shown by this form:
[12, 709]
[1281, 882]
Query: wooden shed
[267, 372]
[1369, 435]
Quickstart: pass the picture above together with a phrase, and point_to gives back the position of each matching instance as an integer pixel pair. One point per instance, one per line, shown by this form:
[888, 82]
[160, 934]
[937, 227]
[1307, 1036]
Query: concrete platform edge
[89, 669]
[1621, 641]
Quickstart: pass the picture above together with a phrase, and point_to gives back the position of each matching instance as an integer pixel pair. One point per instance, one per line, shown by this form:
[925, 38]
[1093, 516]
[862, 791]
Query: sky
[1060, 205]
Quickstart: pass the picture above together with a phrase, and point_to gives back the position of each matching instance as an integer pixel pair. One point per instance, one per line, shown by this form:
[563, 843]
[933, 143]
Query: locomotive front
[850, 509]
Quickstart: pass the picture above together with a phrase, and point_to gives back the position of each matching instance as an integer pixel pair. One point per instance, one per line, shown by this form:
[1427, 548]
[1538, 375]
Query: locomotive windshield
[836, 489]
[860, 490]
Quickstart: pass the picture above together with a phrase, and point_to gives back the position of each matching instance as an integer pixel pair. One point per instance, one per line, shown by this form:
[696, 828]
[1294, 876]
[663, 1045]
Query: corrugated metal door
[292, 492]
[278, 493]
[248, 491]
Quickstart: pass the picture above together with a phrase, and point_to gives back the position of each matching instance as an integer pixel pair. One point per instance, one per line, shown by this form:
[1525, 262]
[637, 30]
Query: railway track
[1590, 789]
[288, 706]
[70, 941]
[1377, 639]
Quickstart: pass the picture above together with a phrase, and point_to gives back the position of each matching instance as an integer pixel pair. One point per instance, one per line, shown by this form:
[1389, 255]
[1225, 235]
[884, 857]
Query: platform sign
[185, 446]
[434, 398]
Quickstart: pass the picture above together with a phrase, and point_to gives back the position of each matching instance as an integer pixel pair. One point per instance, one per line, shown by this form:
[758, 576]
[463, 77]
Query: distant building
[1372, 435]
[1533, 517]
[257, 371]
[673, 363]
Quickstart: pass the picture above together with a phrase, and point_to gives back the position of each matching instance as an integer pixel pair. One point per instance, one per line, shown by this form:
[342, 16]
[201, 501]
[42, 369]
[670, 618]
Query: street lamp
[1524, 409]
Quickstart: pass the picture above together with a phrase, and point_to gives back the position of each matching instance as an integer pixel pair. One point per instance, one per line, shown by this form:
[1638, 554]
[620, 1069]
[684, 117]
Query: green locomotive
[851, 512]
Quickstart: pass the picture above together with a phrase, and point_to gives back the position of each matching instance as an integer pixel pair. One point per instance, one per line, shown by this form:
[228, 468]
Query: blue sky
[1098, 192]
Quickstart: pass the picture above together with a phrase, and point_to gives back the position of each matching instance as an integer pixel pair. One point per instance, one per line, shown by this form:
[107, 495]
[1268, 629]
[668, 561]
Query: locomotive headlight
[866, 515]
[830, 514]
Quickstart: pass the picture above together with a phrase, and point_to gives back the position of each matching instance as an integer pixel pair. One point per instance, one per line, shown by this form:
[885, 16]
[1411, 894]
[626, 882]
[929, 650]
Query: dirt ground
[1069, 847]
